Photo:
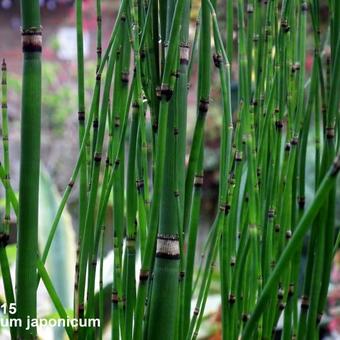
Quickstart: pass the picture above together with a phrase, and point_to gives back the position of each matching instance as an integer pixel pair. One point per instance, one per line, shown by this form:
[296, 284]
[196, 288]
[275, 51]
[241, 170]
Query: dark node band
[4, 238]
[97, 157]
[217, 58]
[336, 166]
[125, 77]
[203, 106]
[250, 9]
[175, 74]
[117, 121]
[31, 39]
[284, 25]
[143, 276]
[254, 102]
[81, 309]
[304, 303]
[271, 213]
[115, 298]
[225, 207]
[155, 126]
[304, 7]
[330, 132]
[184, 54]
[279, 124]
[232, 299]
[245, 317]
[167, 247]
[280, 294]
[140, 184]
[301, 202]
[135, 105]
[198, 180]
[81, 116]
[164, 92]
[296, 66]
[258, 172]
[238, 156]
[295, 141]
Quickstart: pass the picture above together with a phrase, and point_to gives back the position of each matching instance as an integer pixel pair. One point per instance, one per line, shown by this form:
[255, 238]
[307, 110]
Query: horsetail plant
[5, 224]
[145, 78]
[26, 276]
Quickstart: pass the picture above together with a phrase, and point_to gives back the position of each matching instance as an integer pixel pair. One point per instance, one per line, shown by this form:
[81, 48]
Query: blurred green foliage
[59, 92]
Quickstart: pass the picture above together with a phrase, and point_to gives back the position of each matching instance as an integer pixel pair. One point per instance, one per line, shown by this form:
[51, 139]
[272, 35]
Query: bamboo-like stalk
[261, 219]
[13, 199]
[328, 215]
[90, 244]
[294, 243]
[131, 197]
[81, 130]
[75, 171]
[81, 114]
[166, 92]
[192, 186]
[5, 148]
[5, 224]
[230, 30]
[118, 108]
[164, 295]
[26, 276]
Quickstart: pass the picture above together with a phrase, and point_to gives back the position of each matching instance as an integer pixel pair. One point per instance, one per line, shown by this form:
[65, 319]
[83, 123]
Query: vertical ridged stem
[166, 92]
[88, 241]
[120, 94]
[81, 114]
[5, 148]
[164, 295]
[26, 276]
[81, 130]
[293, 245]
[5, 224]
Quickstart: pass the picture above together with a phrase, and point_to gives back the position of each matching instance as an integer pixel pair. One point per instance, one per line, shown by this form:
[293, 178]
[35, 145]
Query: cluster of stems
[132, 152]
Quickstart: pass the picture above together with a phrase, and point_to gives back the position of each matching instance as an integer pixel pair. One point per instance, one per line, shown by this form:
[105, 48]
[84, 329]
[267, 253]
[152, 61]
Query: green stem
[29, 167]
[293, 245]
